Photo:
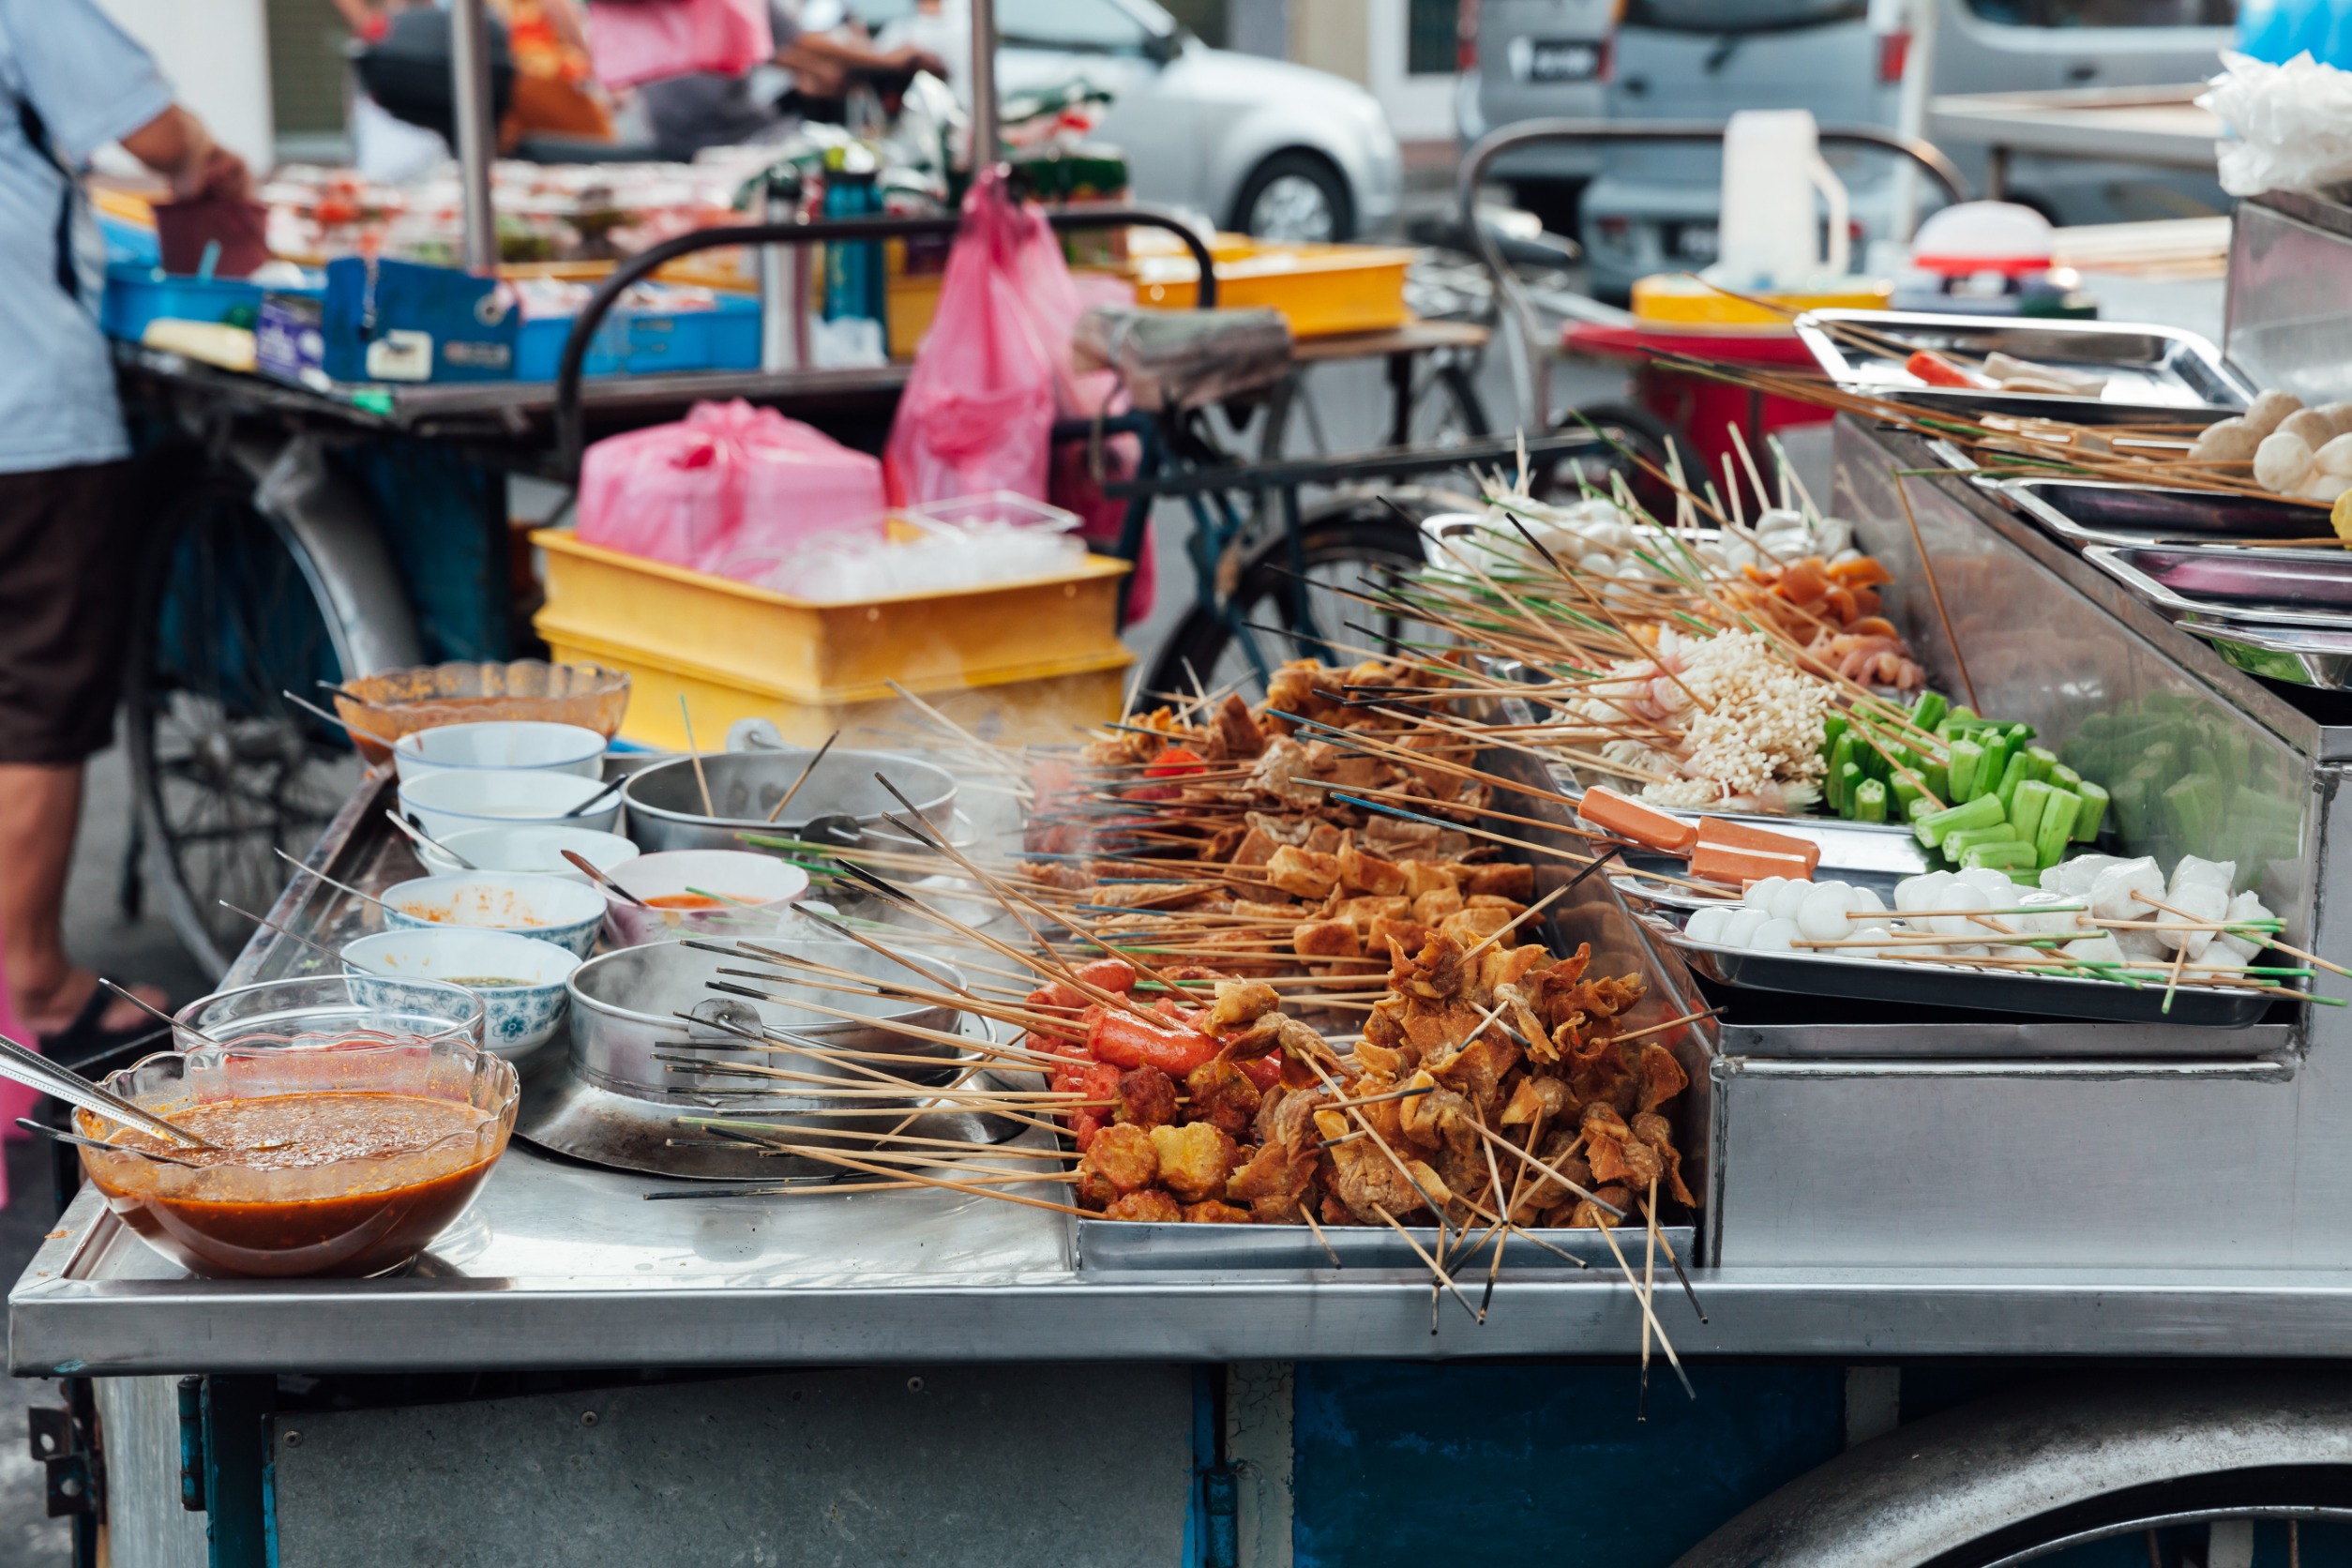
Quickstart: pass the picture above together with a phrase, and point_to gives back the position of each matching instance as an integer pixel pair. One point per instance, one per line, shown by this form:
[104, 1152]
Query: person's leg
[66, 538]
[39, 807]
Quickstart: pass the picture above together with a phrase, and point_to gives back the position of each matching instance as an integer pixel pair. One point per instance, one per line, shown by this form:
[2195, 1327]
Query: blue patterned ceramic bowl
[520, 979]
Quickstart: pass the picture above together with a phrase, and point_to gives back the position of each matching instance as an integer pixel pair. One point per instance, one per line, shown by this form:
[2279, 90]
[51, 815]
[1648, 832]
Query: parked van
[1535, 59]
[1655, 208]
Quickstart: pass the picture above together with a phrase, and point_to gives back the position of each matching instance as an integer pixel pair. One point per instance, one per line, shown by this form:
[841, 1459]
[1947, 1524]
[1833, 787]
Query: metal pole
[478, 134]
[984, 134]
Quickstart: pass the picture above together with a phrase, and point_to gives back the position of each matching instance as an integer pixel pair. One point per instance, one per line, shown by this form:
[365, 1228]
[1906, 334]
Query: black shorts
[67, 583]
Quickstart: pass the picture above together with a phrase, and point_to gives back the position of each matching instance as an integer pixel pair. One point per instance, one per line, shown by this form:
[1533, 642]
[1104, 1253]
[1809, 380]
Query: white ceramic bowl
[517, 744]
[764, 886]
[567, 914]
[520, 979]
[533, 850]
[456, 799]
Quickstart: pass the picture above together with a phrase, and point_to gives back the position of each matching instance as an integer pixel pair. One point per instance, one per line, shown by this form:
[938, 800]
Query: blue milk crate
[638, 342]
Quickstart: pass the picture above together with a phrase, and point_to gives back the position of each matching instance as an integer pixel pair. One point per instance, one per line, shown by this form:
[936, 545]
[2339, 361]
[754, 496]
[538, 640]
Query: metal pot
[664, 801]
[613, 1102]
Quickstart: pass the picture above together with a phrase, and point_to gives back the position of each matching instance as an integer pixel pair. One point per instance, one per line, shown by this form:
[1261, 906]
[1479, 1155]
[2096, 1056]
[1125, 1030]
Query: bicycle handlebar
[570, 375]
[1534, 390]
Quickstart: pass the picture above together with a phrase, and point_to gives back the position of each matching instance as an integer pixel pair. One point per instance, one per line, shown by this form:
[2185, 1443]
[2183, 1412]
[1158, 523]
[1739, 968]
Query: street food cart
[2126, 1233]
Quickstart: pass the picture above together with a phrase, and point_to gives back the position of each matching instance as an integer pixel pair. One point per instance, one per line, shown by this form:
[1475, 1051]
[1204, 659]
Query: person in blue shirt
[71, 82]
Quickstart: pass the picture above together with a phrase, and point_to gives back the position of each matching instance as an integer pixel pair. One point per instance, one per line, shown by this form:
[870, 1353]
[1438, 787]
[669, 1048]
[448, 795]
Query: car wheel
[1296, 196]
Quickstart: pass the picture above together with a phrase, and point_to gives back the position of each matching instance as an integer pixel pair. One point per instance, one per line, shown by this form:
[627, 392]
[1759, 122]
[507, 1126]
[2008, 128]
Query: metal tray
[2316, 580]
[2022, 1040]
[2104, 512]
[1926, 986]
[2128, 566]
[2155, 374]
[1109, 1245]
[2320, 659]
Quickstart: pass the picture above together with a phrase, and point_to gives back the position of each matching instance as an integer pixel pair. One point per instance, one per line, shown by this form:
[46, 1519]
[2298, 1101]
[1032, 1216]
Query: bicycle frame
[1530, 365]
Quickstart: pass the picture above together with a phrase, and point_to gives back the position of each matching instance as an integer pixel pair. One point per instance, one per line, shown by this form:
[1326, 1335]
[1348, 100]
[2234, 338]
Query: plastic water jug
[1771, 170]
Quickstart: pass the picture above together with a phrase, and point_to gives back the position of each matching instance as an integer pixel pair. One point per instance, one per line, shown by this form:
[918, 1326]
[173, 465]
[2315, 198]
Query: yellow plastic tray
[1037, 708]
[1321, 290]
[1684, 301]
[722, 630]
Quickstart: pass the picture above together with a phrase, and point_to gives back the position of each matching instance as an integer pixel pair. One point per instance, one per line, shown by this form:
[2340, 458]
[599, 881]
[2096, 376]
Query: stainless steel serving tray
[2298, 656]
[2086, 512]
[2155, 374]
[2134, 568]
[1928, 985]
[1109, 1245]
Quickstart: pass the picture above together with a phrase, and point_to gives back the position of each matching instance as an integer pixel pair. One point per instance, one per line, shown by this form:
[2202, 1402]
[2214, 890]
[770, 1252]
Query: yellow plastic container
[1031, 657]
[1321, 290]
[1682, 300]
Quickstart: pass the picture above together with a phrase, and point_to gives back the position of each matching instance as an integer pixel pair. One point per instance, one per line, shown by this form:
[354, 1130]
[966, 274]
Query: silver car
[1262, 147]
[1655, 208]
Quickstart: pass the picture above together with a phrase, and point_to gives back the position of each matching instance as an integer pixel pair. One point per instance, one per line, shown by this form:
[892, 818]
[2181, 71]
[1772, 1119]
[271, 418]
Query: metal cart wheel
[2170, 1468]
[1271, 615]
[234, 607]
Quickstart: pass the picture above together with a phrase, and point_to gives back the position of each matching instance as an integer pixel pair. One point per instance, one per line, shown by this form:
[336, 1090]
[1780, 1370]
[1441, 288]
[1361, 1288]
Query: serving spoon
[80, 1142]
[35, 1071]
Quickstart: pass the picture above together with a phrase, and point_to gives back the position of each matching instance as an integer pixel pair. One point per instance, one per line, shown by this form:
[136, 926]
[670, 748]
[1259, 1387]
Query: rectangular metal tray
[2315, 658]
[2312, 579]
[1926, 986]
[2105, 512]
[2156, 373]
[2023, 1040]
[1109, 1245]
[2125, 565]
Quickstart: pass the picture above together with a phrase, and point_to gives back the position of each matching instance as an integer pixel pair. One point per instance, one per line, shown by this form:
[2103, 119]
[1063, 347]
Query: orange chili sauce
[684, 901]
[348, 1234]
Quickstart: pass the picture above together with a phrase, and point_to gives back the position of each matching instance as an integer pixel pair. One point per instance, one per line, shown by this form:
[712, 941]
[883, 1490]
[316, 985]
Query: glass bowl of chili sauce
[339, 1159]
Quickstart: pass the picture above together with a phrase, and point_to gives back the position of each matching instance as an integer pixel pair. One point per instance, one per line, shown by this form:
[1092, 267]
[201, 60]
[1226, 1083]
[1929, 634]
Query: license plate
[1555, 59]
[1695, 242]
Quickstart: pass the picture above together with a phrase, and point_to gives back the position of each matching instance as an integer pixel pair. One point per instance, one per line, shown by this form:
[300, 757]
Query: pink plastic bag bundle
[638, 41]
[727, 479]
[980, 401]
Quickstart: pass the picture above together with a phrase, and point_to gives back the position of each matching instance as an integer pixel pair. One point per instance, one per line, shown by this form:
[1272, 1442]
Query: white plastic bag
[2292, 124]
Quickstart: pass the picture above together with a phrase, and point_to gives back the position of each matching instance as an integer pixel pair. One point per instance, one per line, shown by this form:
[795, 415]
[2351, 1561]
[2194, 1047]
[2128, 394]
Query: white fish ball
[2307, 425]
[2265, 411]
[2121, 892]
[2227, 441]
[2194, 870]
[2204, 905]
[1706, 924]
[1958, 896]
[2098, 950]
[1774, 936]
[2323, 487]
[2075, 876]
[2143, 946]
[1741, 930]
[1822, 916]
[2246, 905]
[1791, 897]
[1992, 881]
[2282, 462]
[1599, 563]
[1760, 894]
[2053, 913]
[1875, 933]
[1866, 902]
[2335, 458]
[1918, 893]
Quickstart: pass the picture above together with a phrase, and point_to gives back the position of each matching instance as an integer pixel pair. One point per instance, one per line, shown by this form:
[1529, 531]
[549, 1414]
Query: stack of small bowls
[504, 914]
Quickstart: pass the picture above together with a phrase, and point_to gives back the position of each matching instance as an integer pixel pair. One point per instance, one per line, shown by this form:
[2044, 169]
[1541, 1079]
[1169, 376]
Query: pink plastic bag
[980, 401]
[640, 40]
[727, 479]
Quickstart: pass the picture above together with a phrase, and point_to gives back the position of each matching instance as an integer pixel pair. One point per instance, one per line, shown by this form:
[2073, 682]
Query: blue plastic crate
[136, 294]
[725, 337]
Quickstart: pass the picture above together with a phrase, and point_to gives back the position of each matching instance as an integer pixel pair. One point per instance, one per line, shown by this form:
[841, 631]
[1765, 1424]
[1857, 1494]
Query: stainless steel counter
[2053, 1201]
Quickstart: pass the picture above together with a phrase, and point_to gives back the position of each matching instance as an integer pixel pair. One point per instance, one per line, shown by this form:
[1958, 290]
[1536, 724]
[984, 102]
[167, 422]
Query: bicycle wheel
[224, 770]
[1289, 604]
[1442, 408]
